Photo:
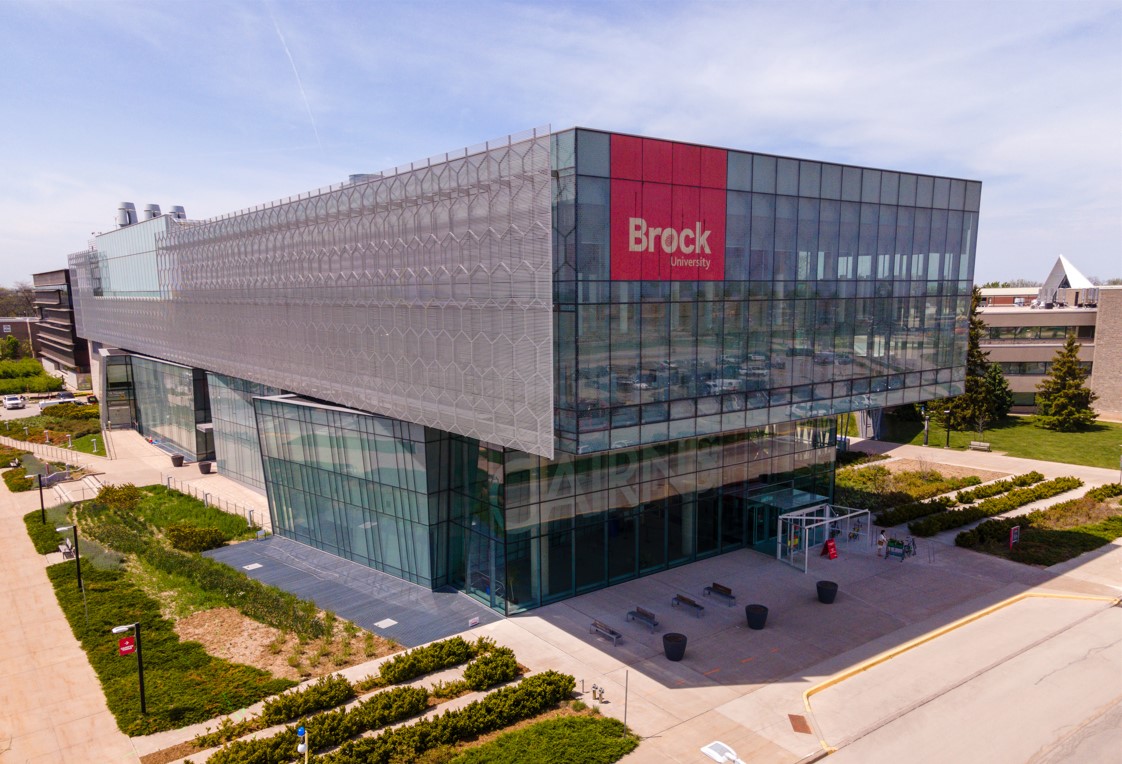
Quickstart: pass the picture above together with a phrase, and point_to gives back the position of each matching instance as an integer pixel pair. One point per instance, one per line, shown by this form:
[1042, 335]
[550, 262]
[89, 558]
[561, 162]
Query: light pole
[139, 658]
[77, 555]
[947, 426]
[926, 419]
[303, 746]
[42, 509]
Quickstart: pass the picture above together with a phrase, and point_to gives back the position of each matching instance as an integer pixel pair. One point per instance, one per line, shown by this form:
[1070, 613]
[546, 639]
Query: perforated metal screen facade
[424, 294]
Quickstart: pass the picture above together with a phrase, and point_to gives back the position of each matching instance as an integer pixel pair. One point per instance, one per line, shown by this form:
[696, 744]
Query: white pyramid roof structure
[1064, 275]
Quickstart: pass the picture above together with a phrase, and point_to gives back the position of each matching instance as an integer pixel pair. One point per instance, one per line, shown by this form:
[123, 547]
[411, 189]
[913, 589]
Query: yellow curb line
[916, 642]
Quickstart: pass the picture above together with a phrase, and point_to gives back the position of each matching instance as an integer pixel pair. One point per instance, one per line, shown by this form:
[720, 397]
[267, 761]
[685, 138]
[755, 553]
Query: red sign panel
[668, 211]
[126, 645]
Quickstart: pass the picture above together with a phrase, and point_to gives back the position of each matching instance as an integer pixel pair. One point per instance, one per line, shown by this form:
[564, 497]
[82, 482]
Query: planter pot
[674, 645]
[177, 460]
[204, 467]
[756, 615]
[827, 591]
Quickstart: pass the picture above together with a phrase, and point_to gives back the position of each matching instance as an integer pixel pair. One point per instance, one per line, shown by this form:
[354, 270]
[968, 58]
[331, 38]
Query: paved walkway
[936, 642]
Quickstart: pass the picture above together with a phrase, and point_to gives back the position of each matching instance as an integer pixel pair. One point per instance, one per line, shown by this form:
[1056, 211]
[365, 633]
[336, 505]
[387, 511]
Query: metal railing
[46, 452]
[257, 517]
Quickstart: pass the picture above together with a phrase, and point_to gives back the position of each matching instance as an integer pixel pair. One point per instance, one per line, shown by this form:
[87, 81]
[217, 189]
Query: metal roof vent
[126, 214]
[151, 211]
[178, 212]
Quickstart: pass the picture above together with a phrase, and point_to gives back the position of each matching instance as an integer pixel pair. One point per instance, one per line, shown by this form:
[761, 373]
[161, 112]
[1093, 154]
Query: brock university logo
[667, 211]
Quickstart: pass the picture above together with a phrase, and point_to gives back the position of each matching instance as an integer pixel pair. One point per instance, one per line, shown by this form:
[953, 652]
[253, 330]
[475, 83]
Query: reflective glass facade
[171, 401]
[360, 486]
[236, 445]
[547, 364]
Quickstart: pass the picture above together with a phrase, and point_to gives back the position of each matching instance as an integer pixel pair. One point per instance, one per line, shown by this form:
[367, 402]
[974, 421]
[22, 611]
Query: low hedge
[998, 487]
[996, 505]
[532, 696]
[329, 729]
[908, 512]
[586, 738]
[17, 480]
[328, 692]
[183, 684]
[438, 656]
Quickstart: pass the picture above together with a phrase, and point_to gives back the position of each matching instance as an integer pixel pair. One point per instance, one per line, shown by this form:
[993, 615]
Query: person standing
[882, 541]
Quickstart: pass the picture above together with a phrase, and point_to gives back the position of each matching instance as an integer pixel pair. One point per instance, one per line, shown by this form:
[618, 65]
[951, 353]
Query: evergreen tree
[1001, 396]
[1063, 401]
[986, 396]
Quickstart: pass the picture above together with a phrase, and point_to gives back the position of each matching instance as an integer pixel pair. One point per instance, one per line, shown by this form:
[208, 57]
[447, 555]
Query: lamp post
[947, 426]
[303, 747]
[77, 555]
[42, 509]
[139, 658]
[926, 419]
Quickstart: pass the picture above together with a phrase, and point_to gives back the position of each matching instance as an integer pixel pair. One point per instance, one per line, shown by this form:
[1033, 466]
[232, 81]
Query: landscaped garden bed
[879, 487]
[996, 505]
[1053, 535]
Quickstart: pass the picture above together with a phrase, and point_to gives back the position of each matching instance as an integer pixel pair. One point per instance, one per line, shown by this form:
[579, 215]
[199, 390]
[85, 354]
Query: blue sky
[223, 105]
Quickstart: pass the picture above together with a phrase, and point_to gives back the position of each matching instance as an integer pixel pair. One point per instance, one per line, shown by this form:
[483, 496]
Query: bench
[605, 630]
[723, 591]
[67, 549]
[645, 616]
[681, 600]
[978, 445]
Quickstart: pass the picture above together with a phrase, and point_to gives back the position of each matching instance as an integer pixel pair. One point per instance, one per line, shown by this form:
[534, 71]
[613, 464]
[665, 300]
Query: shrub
[425, 660]
[17, 480]
[328, 692]
[328, 729]
[43, 535]
[907, 512]
[122, 498]
[525, 700]
[492, 668]
[587, 739]
[191, 539]
[996, 505]
[998, 487]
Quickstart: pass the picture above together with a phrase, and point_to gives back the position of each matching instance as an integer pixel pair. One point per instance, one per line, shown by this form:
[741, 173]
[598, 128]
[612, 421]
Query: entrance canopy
[802, 529]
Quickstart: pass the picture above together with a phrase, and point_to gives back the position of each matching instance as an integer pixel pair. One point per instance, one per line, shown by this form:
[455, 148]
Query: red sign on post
[126, 645]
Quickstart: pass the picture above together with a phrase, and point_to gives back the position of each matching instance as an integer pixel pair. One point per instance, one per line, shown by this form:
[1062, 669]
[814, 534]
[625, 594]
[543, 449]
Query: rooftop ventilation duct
[151, 211]
[178, 212]
[126, 214]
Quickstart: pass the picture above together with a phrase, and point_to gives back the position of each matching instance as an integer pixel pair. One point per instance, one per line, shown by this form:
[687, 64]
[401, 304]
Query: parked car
[14, 402]
[66, 395]
[91, 399]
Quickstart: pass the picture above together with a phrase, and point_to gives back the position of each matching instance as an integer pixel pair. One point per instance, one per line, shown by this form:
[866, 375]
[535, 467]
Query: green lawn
[1101, 446]
[576, 739]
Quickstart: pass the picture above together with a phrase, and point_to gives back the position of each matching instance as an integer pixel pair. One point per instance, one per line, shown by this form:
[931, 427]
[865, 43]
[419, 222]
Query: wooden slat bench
[605, 630]
[977, 445]
[681, 600]
[720, 590]
[644, 616]
[67, 549]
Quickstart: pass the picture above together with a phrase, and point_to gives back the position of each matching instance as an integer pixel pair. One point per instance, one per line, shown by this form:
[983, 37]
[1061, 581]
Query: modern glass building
[542, 365]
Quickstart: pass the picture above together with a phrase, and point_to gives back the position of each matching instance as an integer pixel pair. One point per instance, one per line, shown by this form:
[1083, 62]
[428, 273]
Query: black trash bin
[177, 460]
[827, 591]
[674, 645]
[756, 615]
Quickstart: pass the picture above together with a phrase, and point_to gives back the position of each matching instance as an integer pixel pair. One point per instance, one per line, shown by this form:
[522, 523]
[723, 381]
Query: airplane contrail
[299, 82]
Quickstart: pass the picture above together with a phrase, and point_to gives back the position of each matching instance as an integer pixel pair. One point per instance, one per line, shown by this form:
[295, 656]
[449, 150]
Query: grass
[1100, 446]
[85, 444]
[183, 684]
[179, 597]
[163, 507]
[580, 739]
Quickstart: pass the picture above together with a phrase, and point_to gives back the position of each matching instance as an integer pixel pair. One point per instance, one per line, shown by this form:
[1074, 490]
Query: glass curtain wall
[236, 444]
[532, 531]
[353, 484]
[844, 288]
[171, 401]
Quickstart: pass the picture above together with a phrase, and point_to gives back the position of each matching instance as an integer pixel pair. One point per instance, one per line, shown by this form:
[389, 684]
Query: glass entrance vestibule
[533, 554]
